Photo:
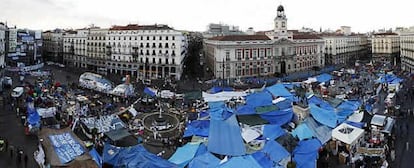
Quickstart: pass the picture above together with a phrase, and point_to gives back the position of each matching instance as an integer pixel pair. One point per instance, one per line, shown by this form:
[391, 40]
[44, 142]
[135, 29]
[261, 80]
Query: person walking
[11, 152]
[25, 160]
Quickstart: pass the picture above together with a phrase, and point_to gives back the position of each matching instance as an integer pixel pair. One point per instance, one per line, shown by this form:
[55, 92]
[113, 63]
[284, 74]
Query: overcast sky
[195, 15]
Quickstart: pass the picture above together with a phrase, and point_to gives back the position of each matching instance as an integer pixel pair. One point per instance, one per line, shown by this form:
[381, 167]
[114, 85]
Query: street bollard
[407, 146]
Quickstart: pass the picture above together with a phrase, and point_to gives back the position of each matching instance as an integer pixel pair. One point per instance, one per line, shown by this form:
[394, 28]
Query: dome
[280, 8]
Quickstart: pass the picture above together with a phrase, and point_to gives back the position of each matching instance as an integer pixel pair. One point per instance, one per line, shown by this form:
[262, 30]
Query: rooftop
[240, 38]
[305, 36]
[385, 34]
[141, 27]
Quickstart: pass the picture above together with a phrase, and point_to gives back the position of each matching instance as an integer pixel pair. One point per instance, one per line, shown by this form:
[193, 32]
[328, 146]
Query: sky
[195, 15]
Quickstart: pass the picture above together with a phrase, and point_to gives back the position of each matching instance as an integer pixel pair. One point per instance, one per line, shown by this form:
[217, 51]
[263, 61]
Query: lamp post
[224, 66]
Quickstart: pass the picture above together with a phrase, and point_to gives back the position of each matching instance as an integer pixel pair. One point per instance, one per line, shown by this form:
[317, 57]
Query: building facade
[344, 49]
[143, 51]
[25, 46]
[386, 47]
[53, 45]
[3, 42]
[407, 51]
[274, 52]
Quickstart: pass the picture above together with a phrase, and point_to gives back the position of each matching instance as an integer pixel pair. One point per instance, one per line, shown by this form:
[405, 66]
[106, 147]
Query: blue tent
[262, 159]
[275, 151]
[349, 105]
[225, 137]
[306, 153]
[96, 157]
[323, 104]
[279, 90]
[134, 156]
[287, 103]
[273, 131]
[241, 162]
[206, 160]
[217, 89]
[183, 155]
[259, 99]
[33, 117]
[323, 77]
[356, 124]
[343, 114]
[150, 91]
[323, 116]
[220, 112]
[322, 132]
[302, 131]
[278, 117]
[198, 128]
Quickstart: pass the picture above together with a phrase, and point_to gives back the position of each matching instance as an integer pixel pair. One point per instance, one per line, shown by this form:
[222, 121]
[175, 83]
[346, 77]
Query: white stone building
[3, 29]
[385, 47]
[343, 49]
[143, 51]
[407, 51]
[74, 48]
[268, 53]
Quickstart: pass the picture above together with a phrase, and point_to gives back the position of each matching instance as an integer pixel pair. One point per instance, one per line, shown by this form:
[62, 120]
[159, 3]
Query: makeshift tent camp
[306, 153]
[302, 131]
[217, 89]
[225, 138]
[278, 117]
[205, 160]
[273, 131]
[135, 156]
[321, 103]
[323, 116]
[321, 132]
[323, 77]
[222, 96]
[347, 133]
[275, 151]
[241, 162]
[279, 90]
[183, 155]
[198, 128]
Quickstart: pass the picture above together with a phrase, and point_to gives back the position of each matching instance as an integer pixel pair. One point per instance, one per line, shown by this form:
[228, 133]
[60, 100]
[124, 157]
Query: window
[142, 37]
[166, 61]
[153, 60]
[166, 45]
[148, 37]
[173, 37]
[160, 37]
[173, 53]
[166, 38]
[159, 61]
[227, 55]
[173, 61]
[239, 55]
[153, 53]
[153, 38]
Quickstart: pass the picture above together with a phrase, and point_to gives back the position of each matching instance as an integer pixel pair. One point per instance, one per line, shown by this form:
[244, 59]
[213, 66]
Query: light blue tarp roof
[343, 114]
[279, 90]
[278, 117]
[302, 132]
[33, 116]
[323, 77]
[206, 160]
[273, 131]
[218, 111]
[198, 128]
[225, 137]
[322, 132]
[135, 156]
[323, 116]
[349, 105]
[96, 157]
[241, 162]
[149, 91]
[275, 151]
[323, 104]
[262, 159]
[255, 100]
[306, 153]
[183, 155]
[217, 89]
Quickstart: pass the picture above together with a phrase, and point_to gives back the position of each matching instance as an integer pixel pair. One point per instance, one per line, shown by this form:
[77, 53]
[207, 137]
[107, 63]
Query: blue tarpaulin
[321, 103]
[356, 124]
[206, 160]
[275, 151]
[302, 132]
[150, 91]
[279, 90]
[323, 77]
[287, 103]
[343, 114]
[219, 111]
[96, 157]
[241, 162]
[217, 89]
[263, 159]
[322, 132]
[323, 116]
[183, 155]
[198, 128]
[306, 153]
[349, 105]
[33, 117]
[278, 117]
[225, 137]
[134, 156]
[254, 100]
[273, 131]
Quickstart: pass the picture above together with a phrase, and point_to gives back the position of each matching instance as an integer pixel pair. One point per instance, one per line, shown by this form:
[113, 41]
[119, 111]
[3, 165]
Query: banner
[66, 147]
[104, 123]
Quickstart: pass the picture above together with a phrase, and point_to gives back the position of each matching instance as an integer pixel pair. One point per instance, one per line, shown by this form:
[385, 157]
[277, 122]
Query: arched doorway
[283, 67]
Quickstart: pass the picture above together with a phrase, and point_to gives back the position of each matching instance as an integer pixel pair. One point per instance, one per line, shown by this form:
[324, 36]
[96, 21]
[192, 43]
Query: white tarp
[39, 156]
[356, 117]
[310, 80]
[279, 99]
[167, 94]
[378, 120]
[222, 96]
[347, 133]
[47, 112]
[249, 134]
